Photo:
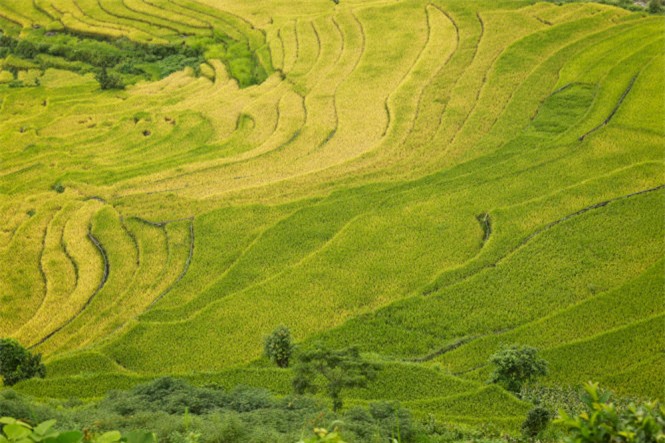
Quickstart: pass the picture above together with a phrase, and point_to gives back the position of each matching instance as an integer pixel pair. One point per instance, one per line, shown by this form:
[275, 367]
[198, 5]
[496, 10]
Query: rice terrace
[428, 183]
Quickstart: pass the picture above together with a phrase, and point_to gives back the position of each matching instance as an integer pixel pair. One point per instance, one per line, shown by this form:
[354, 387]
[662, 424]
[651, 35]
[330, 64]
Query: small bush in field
[278, 347]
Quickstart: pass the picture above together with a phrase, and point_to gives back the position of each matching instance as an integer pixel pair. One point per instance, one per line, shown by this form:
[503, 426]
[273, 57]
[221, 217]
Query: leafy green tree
[25, 49]
[605, 422]
[278, 347]
[108, 80]
[17, 363]
[655, 6]
[336, 369]
[516, 366]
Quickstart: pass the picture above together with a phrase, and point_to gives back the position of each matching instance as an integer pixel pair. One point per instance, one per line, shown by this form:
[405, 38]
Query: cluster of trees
[251, 414]
[331, 370]
[320, 369]
[653, 6]
[171, 411]
[115, 63]
[345, 368]
[177, 412]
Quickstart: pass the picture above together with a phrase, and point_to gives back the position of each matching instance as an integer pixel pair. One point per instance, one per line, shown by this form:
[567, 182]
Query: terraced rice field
[427, 179]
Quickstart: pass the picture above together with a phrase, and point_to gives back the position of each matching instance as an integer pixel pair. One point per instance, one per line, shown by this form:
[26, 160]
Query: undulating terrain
[428, 180]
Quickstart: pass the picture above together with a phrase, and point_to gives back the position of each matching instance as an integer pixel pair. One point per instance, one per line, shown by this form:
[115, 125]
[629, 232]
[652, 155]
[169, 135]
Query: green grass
[324, 167]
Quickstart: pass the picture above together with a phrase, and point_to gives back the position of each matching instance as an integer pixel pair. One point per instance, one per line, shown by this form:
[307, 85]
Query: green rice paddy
[429, 180]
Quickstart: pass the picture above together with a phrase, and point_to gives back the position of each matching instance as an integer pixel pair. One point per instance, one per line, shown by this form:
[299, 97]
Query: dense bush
[516, 366]
[17, 363]
[108, 80]
[536, 421]
[176, 412]
[278, 346]
[382, 421]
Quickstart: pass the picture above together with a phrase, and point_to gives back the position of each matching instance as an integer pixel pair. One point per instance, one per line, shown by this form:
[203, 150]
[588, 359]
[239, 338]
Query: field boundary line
[539, 231]
[409, 70]
[567, 45]
[105, 275]
[185, 268]
[558, 312]
[614, 110]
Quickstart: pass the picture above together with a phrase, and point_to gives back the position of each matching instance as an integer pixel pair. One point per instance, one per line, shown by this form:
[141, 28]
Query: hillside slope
[411, 177]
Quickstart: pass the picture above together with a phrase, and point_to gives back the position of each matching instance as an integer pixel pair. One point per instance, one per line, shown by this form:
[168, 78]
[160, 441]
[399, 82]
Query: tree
[278, 346]
[17, 363]
[337, 369]
[109, 81]
[516, 366]
[655, 6]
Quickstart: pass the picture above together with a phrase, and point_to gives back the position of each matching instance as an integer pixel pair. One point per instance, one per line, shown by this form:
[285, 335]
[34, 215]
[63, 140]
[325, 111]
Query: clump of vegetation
[655, 6]
[625, 4]
[516, 366]
[604, 421]
[177, 412]
[278, 347]
[17, 431]
[172, 411]
[115, 62]
[17, 363]
[109, 81]
[120, 62]
[537, 420]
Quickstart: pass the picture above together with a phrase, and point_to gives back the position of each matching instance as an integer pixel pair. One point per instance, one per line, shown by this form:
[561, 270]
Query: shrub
[245, 399]
[655, 6]
[536, 421]
[17, 363]
[516, 366]
[278, 346]
[26, 49]
[108, 80]
[167, 394]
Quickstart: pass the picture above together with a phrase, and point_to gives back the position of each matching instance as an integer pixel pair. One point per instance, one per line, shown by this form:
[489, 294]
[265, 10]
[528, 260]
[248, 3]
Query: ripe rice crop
[429, 181]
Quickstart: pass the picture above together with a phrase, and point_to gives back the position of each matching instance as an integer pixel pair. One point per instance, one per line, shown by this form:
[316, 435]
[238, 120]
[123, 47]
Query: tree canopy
[332, 369]
[17, 363]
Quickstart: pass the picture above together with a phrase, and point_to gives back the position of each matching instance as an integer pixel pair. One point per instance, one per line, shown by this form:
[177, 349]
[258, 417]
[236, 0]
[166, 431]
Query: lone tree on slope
[278, 347]
[338, 369]
[516, 366]
[17, 363]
